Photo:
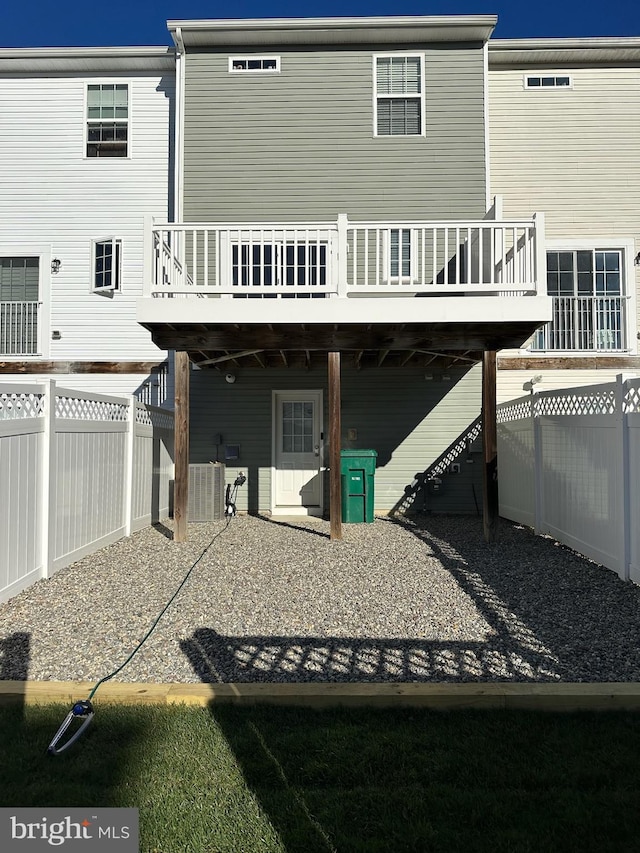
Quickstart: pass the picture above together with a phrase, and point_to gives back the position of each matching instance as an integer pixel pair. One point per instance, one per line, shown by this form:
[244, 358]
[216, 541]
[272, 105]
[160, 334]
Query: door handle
[316, 450]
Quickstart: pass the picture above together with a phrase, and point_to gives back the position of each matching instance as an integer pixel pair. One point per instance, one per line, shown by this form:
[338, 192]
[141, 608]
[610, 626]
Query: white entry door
[297, 458]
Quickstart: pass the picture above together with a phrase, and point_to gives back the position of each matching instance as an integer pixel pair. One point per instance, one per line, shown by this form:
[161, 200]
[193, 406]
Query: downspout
[179, 129]
[487, 138]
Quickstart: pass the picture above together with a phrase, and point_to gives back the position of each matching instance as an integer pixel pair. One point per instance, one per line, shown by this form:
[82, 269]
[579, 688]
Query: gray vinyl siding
[300, 144]
[409, 421]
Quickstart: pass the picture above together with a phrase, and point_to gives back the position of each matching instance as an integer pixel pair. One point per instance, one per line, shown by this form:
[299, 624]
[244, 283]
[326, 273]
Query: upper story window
[399, 95]
[546, 81]
[254, 63]
[107, 262]
[590, 302]
[107, 119]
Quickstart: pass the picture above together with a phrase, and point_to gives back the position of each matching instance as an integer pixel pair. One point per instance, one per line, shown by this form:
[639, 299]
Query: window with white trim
[400, 253]
[107, 265]
[547, 81]
[19, 305]
[590, 302]
[278, 265]
[399, 95]
[244, 64]
[107, 120]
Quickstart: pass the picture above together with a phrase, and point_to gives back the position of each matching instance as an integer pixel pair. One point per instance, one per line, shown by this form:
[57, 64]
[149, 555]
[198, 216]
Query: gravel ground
[271, 600]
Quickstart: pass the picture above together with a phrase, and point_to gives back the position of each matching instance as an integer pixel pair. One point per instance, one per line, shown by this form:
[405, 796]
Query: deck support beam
[181, 446]
[490, 509]
[335, 431]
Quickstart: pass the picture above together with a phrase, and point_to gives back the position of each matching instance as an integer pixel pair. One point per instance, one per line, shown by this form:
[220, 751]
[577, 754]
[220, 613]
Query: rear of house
[565, 138]
[85, 148]
[332, 196]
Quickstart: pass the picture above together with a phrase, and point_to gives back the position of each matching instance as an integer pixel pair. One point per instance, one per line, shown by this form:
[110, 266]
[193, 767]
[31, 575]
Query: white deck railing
[346, 258]
[19, 328]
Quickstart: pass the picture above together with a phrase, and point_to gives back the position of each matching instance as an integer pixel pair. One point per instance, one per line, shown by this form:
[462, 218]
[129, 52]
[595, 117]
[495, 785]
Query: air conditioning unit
[206, 492]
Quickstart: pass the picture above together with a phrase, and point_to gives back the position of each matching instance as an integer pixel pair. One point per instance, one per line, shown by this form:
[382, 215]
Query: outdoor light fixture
[230, 378]
[56, 263]
[528, 386]
[636, 260]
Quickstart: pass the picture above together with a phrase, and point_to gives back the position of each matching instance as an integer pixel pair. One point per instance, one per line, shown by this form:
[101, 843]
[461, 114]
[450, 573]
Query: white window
[400, 251]
[278, 265]
[244, 64]
[399, 95]
[590, 302]
[107, 264]
[107, 120]
[547, 81]
[19, 305]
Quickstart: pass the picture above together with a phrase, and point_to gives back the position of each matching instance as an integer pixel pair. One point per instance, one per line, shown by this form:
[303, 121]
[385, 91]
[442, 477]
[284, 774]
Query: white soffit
[558, 52]
[52, 60]
[330, 31]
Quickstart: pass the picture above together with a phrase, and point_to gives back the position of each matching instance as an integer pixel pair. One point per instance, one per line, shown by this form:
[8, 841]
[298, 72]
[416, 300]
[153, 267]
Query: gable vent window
[547, 82]
[247, 64]
[399, 96]
[107, 120]
[107, 262]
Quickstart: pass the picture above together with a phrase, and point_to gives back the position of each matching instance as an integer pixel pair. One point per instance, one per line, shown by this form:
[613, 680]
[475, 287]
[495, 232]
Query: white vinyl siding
[85, 199]
[399, 95]
[575, 158]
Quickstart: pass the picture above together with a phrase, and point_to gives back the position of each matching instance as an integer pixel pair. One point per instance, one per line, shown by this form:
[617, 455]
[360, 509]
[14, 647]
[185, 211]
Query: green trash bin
[357, 472]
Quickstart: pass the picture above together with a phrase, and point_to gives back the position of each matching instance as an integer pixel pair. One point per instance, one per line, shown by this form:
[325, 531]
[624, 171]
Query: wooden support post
[489, 448]
[335, 490]
[181, 446]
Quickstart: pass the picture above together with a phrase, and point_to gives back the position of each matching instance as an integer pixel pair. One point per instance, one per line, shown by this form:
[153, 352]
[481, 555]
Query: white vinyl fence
[569, 466]
[77, 472]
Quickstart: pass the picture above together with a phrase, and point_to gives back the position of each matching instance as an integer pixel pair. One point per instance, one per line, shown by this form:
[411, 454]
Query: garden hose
[82, 710]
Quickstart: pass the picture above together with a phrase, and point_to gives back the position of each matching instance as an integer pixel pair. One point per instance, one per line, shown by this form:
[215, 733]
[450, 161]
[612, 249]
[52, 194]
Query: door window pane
[297, 427]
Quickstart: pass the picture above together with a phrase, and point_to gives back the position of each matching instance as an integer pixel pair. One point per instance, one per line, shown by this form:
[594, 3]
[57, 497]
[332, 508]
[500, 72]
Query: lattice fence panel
[21, 405]
[152, 416]
[76, 408]
[632, 397]
[514, 410]
[578, 402]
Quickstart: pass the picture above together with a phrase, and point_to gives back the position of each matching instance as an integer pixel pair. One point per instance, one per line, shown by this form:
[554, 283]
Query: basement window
[244, 64]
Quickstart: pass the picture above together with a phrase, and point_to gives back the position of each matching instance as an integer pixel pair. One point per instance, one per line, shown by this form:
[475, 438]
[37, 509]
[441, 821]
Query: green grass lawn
[284, 779]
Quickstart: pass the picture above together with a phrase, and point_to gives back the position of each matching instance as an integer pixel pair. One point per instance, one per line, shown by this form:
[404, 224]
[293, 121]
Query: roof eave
[51, 60]
[559, 52]
[297, 31]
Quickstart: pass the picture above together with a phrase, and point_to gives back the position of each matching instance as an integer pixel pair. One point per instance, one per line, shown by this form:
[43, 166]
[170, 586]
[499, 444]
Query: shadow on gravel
[539, 596]
[218, 658]
[303, 528]
[15, 655]
[552, 615]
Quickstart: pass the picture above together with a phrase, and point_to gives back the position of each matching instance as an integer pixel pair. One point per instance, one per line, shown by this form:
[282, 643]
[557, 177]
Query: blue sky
[67, 23]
